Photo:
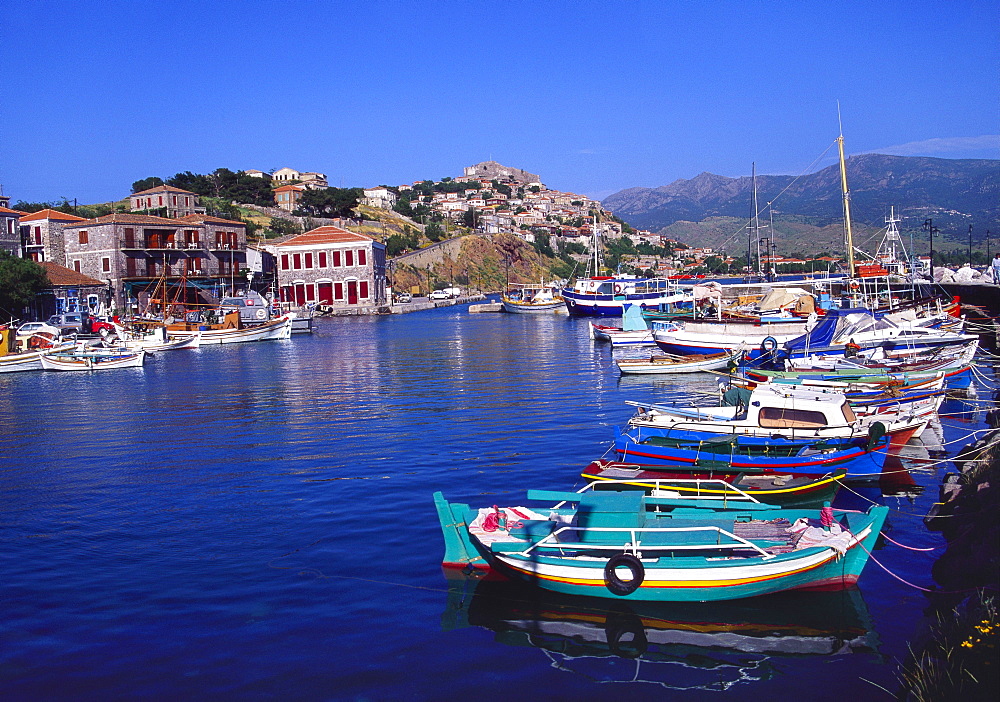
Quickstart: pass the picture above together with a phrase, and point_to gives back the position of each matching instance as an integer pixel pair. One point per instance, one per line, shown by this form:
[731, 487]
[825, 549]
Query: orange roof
[129, 218]
[289, 187]
[52, 214]
[163, 189]
[325, 235]
[60, 275]
[7, 210]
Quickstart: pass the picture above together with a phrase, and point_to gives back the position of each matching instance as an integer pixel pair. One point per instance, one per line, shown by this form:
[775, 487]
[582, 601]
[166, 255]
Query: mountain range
[953, 193]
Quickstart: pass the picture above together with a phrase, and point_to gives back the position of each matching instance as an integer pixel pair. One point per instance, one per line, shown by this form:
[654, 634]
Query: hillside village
[346, 250]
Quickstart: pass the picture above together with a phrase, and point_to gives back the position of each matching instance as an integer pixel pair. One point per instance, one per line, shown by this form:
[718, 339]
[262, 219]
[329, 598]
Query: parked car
[440, 295]
[29, 330]
[68, 323]
[404, 297]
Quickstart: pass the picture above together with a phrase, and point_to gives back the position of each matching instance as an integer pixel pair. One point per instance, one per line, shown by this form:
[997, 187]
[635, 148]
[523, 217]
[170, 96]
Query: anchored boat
[633, 546]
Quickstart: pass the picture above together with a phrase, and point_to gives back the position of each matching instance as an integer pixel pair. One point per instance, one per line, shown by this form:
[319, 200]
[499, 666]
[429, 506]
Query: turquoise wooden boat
[634, 546]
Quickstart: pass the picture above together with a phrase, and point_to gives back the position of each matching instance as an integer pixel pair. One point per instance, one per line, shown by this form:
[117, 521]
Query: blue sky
[593, 96]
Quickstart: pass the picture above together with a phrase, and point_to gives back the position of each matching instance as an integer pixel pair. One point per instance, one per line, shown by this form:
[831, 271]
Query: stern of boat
[459, 551]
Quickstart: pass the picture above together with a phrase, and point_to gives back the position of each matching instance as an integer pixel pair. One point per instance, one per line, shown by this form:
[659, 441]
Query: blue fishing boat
[629, 545]
[653, 446]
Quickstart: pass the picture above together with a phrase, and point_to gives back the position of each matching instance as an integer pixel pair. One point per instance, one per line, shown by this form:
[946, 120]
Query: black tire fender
[616, 585]
[625, 635]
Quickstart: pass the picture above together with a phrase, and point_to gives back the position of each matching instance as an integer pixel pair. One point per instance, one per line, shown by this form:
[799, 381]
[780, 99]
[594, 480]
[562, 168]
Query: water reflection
[711, 645]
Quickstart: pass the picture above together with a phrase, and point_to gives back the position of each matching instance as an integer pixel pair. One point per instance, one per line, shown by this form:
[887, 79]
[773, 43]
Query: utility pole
[931, 231]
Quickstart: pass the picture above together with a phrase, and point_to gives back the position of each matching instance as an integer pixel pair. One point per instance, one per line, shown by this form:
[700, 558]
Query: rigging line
[801, 175]
[907, 582]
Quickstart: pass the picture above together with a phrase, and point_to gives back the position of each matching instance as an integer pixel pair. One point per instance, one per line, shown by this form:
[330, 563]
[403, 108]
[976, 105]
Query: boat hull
[280, 328]
[632, 447]
[672, 364]
[785, 489]
[671, 577]
[80, 362]
[518, 307]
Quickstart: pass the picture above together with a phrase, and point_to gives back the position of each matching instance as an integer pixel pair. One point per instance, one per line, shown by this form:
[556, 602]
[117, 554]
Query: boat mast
[848, 237]
[756, 216]
[596, 246]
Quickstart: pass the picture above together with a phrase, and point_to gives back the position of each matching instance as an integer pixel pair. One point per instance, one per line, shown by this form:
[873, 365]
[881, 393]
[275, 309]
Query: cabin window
[848, 413]
[779, 417]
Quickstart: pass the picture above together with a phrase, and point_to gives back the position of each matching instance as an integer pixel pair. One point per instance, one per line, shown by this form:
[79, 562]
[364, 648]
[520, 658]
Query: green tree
[146, 183]
[283, 227]
[63, 206]
[470, 218]
[329, 202]
[434, 231]
[543, 246]
[21, 280]
[193, 182]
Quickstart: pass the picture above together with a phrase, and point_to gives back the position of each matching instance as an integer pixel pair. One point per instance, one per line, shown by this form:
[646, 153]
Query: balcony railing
[156, 245]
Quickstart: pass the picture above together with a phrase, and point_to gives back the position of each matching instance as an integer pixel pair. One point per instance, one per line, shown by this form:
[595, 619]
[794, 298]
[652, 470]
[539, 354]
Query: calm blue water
[255, 522]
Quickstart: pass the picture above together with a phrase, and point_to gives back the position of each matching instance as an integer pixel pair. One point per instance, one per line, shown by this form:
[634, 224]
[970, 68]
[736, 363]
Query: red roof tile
[60, 275]
[52, 214]
[129, 218]
[163, 189]
[325, 235]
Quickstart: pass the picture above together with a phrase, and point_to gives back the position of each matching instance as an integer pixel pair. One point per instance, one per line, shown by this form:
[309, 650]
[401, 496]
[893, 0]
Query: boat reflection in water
[682, 645]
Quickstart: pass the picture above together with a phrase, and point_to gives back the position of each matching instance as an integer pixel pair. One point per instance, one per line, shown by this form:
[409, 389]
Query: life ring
[616, 585]
[261, 313]
[768, 344]
[618, 288]
[854, 285]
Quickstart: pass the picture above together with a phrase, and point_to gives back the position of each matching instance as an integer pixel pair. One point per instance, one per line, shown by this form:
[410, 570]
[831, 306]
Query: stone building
[333, 267]
[166, 200]
[10, 231]
[287, 196]
[380, 197]
[134, 252]
[42, 235]
[491, 170]
[308, 179]
[70, 291]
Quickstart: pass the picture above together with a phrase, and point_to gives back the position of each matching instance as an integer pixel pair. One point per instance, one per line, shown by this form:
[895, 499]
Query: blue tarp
[632, 319]
[822, 334]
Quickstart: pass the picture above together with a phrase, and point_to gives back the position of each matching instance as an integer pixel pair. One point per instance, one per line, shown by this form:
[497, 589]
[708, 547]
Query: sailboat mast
[848, 236]
[756, 219]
